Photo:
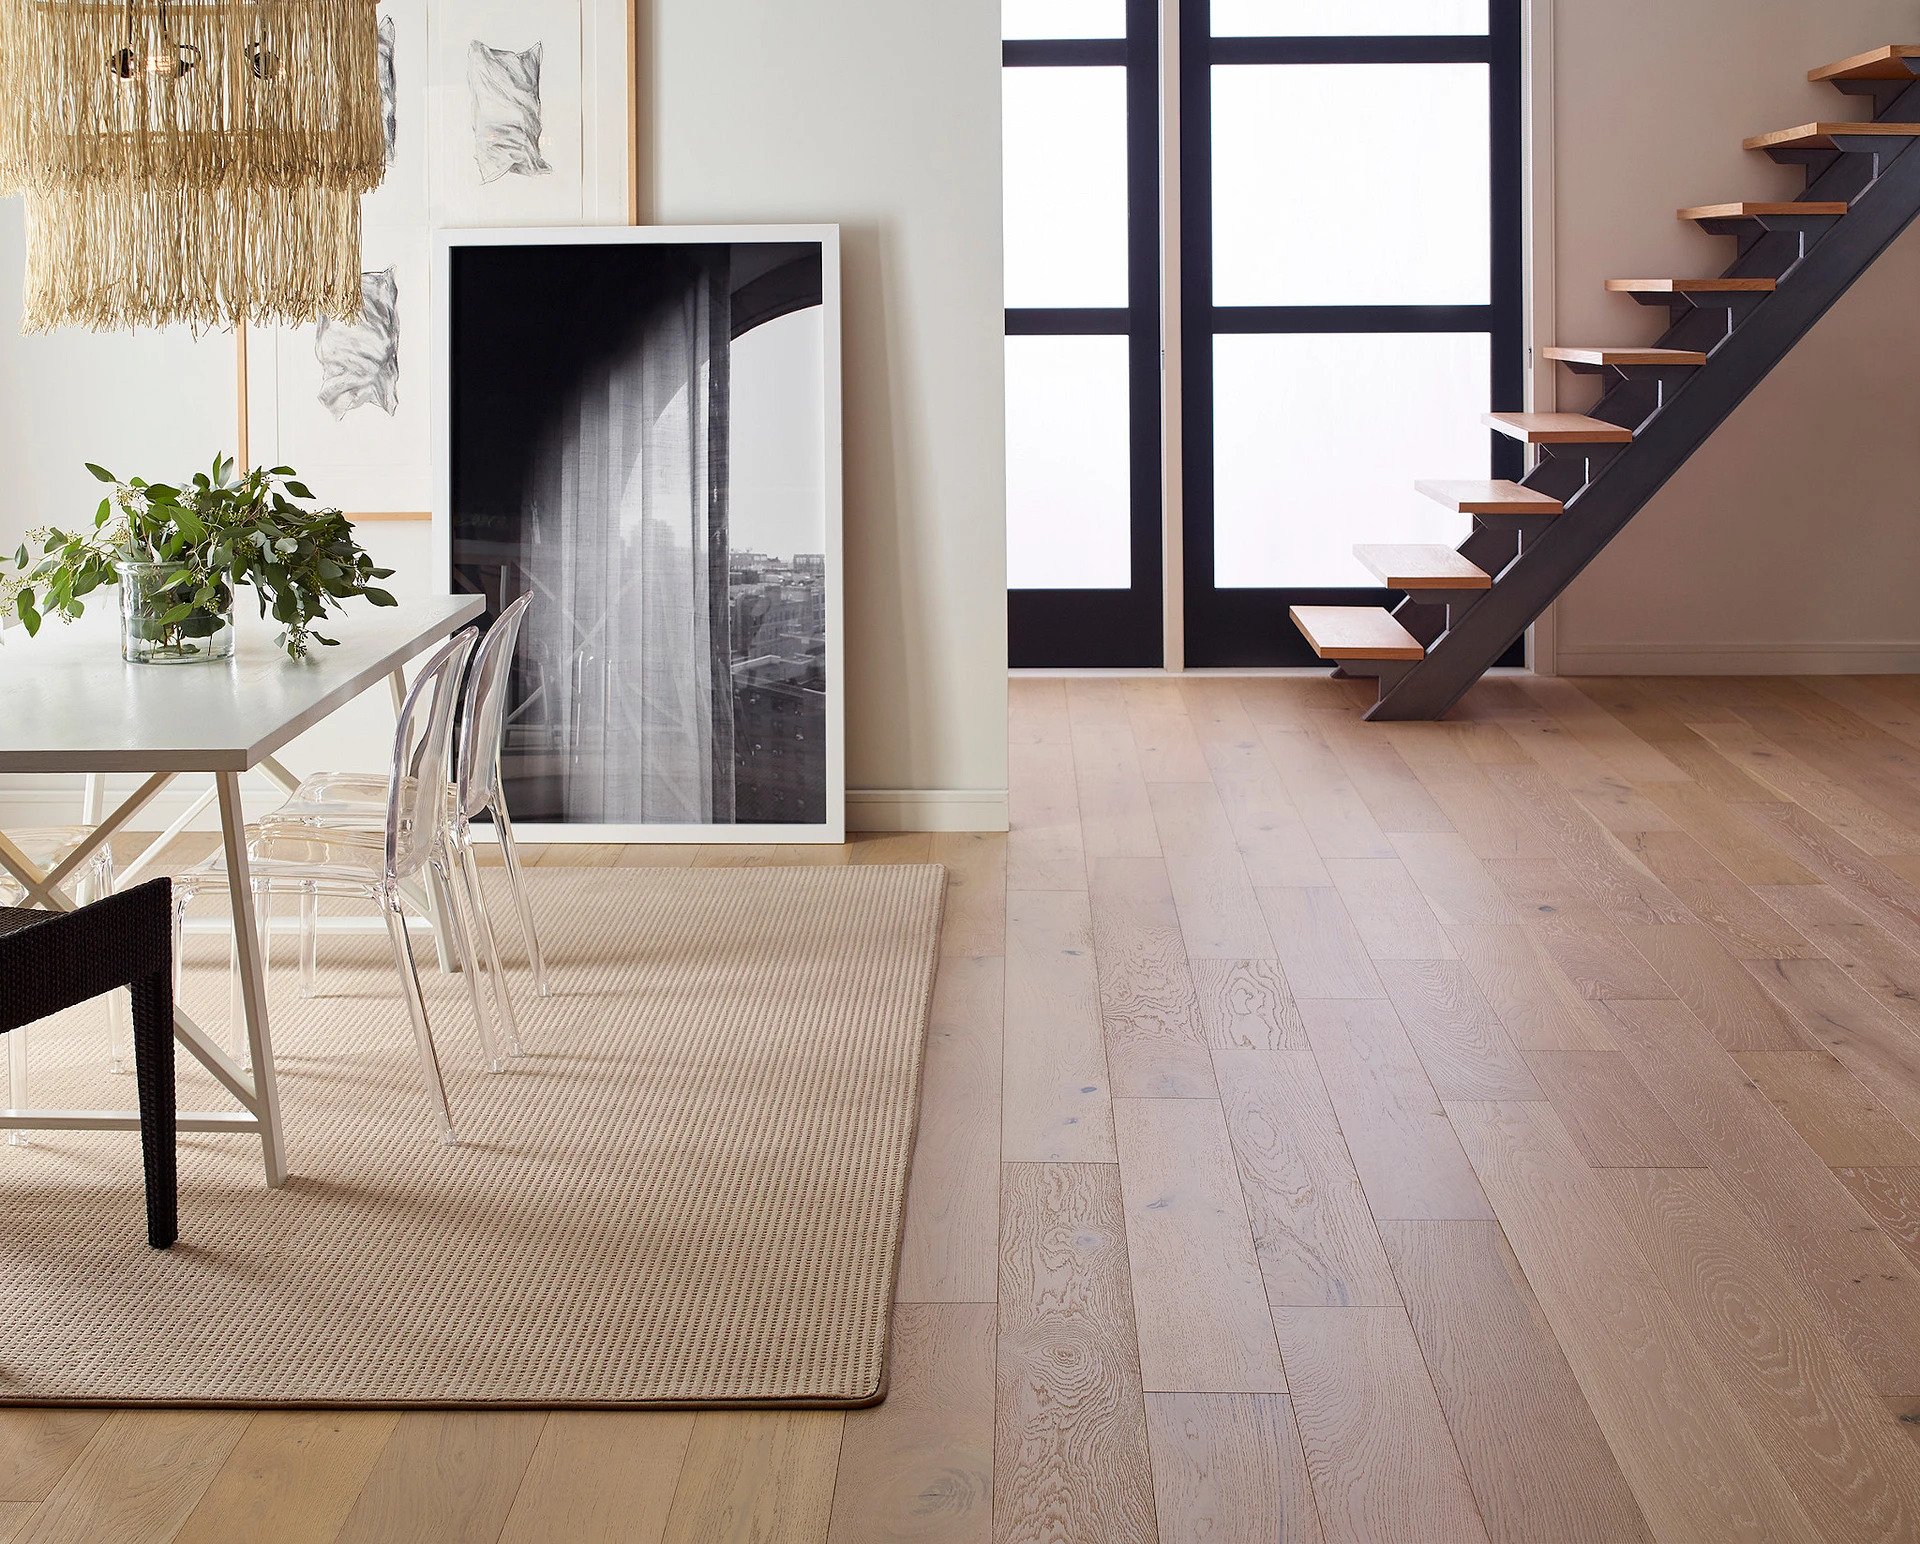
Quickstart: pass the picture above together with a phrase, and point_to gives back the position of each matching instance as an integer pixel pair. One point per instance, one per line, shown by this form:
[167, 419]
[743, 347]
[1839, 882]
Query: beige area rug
[689, 1192]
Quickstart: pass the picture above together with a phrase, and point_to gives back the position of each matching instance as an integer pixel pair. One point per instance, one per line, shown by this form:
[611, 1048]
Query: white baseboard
[54, 800]
[1863, 657]
[926, 809]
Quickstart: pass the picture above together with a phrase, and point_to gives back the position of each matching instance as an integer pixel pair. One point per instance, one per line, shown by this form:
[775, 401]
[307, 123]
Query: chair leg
[153, 1063]
[237, 1041]
[236, 999]
[236, 1002]
[460, 920]
[309, 941]
[477, 907]
[17, 1080]
[422, 1032]
[97, 886]
[510, 855]
[439, 912]
[182, 897]
[263, 919]
[117, 1051]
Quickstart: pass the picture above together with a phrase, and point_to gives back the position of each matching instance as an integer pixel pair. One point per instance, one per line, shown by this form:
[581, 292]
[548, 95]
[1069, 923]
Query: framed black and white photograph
[641, 428]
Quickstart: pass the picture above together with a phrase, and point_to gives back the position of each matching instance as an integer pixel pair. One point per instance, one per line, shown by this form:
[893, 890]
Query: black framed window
[1084, 570]
[1351, 294]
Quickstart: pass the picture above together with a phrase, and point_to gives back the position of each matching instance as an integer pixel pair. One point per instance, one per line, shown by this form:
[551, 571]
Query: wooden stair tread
[1626, 356]
[1820, 136]
[1690, 286]
[1749, 209]
[1481, 496]
[1355, 632]
[1558, 429]
[1875, 64]
[1422, 566]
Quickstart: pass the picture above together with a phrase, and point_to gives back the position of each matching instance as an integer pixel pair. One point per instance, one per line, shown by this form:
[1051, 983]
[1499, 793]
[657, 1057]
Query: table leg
[266, 1102]
[165, 839]
[45, 889]
[289, 784]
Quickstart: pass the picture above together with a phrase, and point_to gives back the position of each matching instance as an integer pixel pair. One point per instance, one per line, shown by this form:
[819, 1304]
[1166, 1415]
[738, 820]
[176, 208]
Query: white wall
[134, 402]
[1791, 540]
[878, 116]
[882, 116]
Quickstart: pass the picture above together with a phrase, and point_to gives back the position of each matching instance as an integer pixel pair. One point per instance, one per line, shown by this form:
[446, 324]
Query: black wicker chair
[51, 960]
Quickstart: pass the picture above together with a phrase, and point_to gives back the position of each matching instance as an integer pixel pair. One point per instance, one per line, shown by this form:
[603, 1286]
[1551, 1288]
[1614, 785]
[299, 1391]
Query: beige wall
[135, 401]
[1791, 540]
[884, 118]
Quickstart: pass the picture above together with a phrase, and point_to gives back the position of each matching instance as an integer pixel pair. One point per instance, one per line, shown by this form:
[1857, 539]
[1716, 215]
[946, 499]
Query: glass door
[1080, 94]
[1351, 294]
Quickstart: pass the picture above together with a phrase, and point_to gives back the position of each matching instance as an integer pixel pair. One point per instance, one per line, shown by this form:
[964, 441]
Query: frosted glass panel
[1063, 18]
[1345, 18]
[1066, 185]
[1318, 439]
[1350, 184]
[1067, 464]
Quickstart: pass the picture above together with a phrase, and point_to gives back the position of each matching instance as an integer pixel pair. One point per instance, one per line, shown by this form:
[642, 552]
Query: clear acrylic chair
[347, 802]
[412, 849]
[46, 847]
[480, 791]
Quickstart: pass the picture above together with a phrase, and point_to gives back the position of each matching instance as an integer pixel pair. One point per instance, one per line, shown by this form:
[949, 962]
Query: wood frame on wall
[243, 432]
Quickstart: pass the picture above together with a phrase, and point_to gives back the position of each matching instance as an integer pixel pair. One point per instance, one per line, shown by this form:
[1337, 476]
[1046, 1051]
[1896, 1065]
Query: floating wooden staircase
[1498, 498]
[1690, 286]
[1464, 607]
[1827, 136]
[1601, 358]
[1877, 64]
[1559, 429]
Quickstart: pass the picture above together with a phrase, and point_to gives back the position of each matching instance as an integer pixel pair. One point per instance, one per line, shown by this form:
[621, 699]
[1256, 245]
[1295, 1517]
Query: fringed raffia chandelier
[197, 161]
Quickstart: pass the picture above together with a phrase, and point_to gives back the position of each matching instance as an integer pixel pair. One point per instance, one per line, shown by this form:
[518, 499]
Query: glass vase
[161, 625]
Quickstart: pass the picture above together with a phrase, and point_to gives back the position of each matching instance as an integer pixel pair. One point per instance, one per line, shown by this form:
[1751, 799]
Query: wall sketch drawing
[504, 85]
[351, 404]
[360, 361]
[637, 435]
[389, 87]
[510, 110]
[405, 56]
[337, 405]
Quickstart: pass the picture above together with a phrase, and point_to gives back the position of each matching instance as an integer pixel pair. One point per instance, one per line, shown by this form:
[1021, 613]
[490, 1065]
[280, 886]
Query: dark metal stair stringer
[1619, 489]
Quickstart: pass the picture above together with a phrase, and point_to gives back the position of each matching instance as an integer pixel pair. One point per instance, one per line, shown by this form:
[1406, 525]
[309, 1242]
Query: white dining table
[69, 703]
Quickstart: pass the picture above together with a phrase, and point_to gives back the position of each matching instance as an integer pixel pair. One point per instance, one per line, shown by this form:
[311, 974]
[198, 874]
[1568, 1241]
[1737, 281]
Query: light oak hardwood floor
[1505, 1129]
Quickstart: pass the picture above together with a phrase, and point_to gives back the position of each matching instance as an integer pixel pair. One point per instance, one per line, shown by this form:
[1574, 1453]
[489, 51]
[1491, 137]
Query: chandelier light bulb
[235, 200]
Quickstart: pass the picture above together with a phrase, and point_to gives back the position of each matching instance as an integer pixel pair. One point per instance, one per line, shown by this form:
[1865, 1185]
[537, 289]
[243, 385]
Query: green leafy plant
[219, 531]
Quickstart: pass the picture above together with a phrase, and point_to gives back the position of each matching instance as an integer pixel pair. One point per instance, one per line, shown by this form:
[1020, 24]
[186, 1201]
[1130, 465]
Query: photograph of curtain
[624, 533]
[635, 436]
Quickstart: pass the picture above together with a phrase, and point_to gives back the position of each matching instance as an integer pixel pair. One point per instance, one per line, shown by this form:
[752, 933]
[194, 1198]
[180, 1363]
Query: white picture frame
[831, 829]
